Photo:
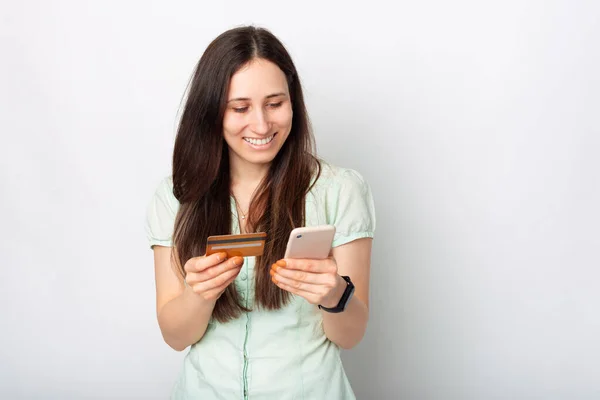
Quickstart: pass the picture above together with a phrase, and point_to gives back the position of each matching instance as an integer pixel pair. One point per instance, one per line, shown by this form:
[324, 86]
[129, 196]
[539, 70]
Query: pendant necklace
[238, 207]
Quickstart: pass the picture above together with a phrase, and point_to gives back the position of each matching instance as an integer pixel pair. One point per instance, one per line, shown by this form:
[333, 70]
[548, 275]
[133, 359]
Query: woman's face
[258, 117]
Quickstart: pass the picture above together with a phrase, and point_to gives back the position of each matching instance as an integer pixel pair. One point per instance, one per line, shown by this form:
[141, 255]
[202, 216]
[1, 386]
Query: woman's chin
[255, 159]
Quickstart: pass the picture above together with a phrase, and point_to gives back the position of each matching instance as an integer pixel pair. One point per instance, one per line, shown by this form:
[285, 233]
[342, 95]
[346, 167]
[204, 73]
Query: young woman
[243, 161]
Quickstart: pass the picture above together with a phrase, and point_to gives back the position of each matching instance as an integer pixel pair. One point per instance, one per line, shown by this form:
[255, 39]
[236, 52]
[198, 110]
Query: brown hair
[201, 180]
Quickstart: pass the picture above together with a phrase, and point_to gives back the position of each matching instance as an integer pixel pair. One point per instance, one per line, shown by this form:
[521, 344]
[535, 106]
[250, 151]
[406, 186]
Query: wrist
[197, 298]
[336, 294]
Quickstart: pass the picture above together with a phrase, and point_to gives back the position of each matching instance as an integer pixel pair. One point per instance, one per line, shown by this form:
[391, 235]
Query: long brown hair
[201, 176]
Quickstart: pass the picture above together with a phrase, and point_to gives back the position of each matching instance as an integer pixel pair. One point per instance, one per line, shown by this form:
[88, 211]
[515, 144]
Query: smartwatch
[341, 306]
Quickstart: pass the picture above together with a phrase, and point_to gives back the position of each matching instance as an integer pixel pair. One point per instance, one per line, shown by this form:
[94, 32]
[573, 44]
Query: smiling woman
[258, 117]
[243, 162]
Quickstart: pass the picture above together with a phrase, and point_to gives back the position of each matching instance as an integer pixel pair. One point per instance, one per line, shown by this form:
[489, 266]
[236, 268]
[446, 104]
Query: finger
[310, 297]
[304, 276]
[212, 272]
[299, 285]
[216, 282]
[217, 270]
[201, 263]
[316, 266]
[218, 291]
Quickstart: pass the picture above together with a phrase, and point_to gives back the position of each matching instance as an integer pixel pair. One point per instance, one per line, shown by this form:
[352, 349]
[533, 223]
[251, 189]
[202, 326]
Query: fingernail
[274, 280]
[271, 272]
[281, 263]
[222, 256]
[237, 260]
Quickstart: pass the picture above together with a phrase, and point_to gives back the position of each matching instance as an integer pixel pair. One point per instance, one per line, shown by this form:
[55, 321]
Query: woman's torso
[279, 354]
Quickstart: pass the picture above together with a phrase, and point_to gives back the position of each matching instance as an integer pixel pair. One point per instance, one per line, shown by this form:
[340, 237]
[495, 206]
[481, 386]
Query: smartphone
[312, 242]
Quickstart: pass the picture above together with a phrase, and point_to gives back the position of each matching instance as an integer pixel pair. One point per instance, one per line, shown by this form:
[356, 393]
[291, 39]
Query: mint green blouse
[282, 354]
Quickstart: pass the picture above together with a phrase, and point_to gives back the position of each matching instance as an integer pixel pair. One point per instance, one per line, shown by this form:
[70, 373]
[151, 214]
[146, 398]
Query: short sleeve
[350, 207]
[160, 215]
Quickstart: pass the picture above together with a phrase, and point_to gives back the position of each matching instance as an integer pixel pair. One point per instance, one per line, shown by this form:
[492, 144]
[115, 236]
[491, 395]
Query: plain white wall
[476, 124]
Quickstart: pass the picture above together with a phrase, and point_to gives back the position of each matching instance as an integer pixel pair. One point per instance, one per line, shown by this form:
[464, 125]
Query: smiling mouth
[259, 142]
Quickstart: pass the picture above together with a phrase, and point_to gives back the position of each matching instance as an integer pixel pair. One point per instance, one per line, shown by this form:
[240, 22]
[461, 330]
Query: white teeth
[259, 142]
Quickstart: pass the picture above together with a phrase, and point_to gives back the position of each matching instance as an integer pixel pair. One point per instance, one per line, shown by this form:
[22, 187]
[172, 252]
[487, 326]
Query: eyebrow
[247, 98]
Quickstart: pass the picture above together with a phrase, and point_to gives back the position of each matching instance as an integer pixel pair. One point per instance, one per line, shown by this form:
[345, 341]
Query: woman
[243, 161]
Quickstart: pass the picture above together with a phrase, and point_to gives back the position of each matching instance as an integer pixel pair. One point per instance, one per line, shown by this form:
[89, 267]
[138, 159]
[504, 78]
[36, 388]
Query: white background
[475, 122]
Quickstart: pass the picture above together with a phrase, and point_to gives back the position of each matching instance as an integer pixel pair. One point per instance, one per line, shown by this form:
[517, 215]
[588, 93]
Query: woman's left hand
[315, 280]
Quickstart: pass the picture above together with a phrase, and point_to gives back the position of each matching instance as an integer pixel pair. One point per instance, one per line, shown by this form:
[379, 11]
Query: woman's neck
[246, 176]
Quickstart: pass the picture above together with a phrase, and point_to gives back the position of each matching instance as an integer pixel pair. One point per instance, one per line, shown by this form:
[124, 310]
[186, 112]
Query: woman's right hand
[209, 276]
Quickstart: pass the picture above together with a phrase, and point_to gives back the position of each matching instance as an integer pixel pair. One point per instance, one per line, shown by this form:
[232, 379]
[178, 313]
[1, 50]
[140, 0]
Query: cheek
[233, 125]
[284, 118]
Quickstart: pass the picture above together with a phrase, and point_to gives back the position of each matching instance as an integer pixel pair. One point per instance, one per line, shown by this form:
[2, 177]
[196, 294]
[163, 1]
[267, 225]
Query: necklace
[238, 206]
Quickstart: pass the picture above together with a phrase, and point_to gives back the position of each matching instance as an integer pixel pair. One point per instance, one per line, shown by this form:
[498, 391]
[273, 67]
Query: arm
[320, 282]
[184, 310]
[346, 329]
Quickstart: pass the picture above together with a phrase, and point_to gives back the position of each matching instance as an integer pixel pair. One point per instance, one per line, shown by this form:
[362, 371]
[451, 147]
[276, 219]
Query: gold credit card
[246, 245]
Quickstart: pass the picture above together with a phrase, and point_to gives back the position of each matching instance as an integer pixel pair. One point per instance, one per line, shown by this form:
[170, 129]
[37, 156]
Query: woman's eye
[240, 109]
[275, 105]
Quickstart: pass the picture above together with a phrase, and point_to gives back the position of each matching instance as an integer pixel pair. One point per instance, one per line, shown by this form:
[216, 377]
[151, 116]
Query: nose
[259, 123]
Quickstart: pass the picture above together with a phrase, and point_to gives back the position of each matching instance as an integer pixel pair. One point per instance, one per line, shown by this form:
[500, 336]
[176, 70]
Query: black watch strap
[341, 306]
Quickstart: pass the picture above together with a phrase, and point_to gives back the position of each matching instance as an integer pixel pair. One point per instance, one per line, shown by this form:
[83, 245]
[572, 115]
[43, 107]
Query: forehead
[257, 79]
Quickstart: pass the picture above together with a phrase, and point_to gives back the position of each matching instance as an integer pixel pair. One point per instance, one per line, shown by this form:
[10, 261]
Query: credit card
[246, 245]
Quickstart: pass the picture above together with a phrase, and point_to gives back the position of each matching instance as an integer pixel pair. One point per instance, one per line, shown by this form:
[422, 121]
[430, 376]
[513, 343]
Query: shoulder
[334, 177]
[161, 212]
[343, 190]
[347, 202]
[164, 194]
